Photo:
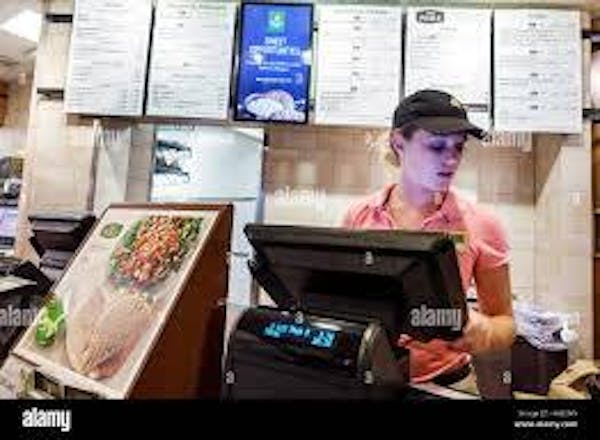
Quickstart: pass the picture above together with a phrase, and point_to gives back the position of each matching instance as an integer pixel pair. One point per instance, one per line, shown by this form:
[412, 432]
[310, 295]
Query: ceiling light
[26, 24]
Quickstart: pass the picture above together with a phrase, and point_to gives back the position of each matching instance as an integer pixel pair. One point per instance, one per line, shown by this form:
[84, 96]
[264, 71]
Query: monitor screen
[408, 282]
[8, 225]
[274, 66]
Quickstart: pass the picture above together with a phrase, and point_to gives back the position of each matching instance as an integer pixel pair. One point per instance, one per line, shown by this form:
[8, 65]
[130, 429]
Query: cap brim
[448, 125]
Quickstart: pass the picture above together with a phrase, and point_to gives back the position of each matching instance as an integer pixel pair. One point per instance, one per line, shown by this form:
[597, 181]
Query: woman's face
[430, 160]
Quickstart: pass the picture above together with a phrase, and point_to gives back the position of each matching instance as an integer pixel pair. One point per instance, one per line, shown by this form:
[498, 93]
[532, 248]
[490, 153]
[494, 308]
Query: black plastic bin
[533, 369]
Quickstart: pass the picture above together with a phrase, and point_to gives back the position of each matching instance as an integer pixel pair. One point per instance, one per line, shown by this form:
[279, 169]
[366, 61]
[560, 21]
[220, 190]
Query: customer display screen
[274, 63]
[300, 333]
[8, 225]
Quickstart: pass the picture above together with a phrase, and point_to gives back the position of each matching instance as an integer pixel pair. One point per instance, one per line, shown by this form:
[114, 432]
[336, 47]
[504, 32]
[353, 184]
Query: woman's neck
[415, 196]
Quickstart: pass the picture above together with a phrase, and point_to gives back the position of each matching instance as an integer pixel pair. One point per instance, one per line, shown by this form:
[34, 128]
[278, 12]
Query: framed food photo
[139, 291]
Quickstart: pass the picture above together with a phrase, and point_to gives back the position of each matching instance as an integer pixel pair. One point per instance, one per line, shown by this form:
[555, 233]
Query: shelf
[51, 94]
[68, 18]
[593, 114]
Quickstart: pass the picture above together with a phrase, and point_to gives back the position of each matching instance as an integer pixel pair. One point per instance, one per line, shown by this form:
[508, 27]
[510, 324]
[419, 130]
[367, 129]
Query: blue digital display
[274, 63]
[317, 337]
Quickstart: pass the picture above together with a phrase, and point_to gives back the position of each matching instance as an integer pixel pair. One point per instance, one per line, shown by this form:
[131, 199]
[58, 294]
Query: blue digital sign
[317, 337]
[274, 62]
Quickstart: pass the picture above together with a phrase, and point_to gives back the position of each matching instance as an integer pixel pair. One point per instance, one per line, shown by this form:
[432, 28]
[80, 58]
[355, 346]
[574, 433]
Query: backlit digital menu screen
[275, 55]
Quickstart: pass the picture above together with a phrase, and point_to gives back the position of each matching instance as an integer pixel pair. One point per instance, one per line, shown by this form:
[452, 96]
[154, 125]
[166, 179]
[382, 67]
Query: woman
[429, 131]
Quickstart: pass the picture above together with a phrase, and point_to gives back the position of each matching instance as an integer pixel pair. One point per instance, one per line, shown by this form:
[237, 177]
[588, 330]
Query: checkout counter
[342, 300]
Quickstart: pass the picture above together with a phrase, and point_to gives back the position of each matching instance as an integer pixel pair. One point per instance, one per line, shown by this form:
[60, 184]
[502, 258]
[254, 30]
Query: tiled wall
[140, 163]
[112, 165]
[13, 134]
[312, 174]
[58, 160]
[59, 149]
[564, 229]
[67, 168]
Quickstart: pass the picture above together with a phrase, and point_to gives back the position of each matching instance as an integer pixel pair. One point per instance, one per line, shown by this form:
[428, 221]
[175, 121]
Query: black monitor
[407, 281]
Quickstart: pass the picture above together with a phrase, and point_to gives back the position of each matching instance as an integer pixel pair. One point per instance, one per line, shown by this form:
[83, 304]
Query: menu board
[108, 57]
[537, 71]
[359, 65]
[190, 67]
[449, 49]
[275, 55]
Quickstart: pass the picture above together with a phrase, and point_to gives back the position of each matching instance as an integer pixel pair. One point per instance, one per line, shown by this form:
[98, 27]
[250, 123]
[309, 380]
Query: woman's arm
[492, 327]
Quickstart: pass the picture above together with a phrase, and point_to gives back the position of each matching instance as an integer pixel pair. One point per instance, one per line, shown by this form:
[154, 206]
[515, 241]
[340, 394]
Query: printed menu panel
[359, 65]
[537, 71]
[108, 57]
[190, 67]
[449, 49]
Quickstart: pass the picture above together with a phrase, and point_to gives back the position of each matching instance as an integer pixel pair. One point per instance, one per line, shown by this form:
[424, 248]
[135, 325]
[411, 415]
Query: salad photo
[151, 249]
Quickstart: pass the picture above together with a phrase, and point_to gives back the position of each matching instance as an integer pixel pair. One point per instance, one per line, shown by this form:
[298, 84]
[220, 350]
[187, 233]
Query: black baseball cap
[436, 112]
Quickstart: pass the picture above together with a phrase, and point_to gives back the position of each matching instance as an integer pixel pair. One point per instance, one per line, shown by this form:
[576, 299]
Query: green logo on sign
[111, 230]
[276, 22]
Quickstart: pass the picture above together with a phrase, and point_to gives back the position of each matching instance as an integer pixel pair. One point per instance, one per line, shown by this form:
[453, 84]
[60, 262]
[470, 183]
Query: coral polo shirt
[486, 247]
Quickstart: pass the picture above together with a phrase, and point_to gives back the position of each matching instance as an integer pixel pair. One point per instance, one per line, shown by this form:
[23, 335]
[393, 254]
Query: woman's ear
[396, 142]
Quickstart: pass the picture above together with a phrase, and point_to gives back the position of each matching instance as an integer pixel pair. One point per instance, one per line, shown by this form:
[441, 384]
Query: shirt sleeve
[494, 250]
[354, 214]
[348, 219]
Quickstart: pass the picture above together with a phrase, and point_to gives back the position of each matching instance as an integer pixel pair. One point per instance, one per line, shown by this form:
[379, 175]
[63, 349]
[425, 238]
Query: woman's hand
[484, 333]
[477, 334]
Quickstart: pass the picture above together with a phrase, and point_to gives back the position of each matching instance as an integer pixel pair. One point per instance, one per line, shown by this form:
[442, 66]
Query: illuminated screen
[301, 333]
[274, 63]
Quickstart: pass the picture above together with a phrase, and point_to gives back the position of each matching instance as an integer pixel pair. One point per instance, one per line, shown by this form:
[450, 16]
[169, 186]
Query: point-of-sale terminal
[343, 298]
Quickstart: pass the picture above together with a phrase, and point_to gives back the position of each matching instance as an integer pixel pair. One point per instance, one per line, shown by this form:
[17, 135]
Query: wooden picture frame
[136, 327]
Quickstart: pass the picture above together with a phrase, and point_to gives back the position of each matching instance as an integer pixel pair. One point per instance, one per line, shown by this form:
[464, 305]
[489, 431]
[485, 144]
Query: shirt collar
[449, 209]
[382, 196]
